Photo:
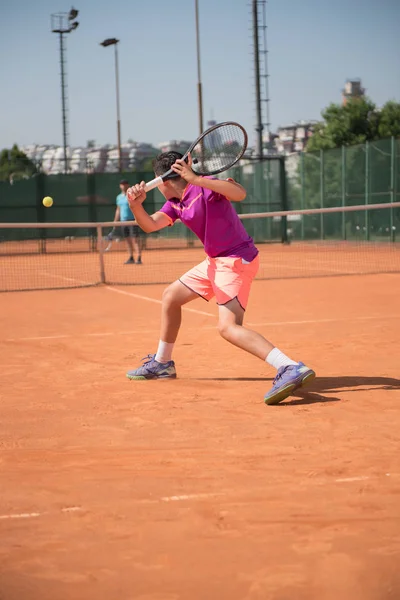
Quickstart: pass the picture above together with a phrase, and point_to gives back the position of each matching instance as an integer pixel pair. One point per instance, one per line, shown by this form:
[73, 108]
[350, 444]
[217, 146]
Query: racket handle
[153, 184]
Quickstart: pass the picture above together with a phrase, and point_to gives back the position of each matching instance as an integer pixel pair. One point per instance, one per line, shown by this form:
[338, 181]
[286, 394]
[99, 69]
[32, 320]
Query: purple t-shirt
[214, 220]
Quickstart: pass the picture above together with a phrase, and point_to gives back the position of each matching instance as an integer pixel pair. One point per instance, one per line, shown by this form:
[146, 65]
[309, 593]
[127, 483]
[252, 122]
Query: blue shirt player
[132, 234]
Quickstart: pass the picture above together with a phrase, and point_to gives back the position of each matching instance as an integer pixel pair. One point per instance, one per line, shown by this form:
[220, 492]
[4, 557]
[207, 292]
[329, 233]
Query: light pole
[63, 23]
[199, 89]
[114, 42]
[259, 127]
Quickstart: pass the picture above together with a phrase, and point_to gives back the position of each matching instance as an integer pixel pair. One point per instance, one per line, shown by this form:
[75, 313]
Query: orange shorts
[224, 278]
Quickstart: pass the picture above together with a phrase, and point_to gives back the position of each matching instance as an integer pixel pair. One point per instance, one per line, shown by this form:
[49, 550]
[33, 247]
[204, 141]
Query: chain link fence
[348, 176]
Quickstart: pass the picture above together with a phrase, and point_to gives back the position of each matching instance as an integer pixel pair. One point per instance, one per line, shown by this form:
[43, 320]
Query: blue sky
[314, 46]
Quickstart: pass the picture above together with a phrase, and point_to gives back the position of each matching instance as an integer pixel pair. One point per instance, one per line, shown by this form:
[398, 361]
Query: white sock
[164, 352]
[277, 359]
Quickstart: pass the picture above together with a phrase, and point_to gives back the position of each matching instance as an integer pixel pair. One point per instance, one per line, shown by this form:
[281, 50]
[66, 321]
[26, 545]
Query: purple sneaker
[151, 369]
[287, 380]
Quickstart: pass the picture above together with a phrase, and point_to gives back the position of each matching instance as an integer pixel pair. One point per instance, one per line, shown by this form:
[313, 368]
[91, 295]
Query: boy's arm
[150, 223]
[230, 189]
[136, 196]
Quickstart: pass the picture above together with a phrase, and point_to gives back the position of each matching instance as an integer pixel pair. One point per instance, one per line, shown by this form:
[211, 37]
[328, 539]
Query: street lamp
[63, 23]
[114, 42]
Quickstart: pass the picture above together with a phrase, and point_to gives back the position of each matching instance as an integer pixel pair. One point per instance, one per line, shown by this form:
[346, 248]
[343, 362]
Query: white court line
[78, 335]
[66, 278]
[349, 479]
[155, 301]
[301, 268]
[74, 509]
[208, 327]
[189, 497]
[34, 515]
[40, 337]
[371, 318]
[177, 498]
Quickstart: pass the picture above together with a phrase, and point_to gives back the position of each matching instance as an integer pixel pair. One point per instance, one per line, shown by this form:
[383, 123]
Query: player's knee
[170, 297]
[225, 329]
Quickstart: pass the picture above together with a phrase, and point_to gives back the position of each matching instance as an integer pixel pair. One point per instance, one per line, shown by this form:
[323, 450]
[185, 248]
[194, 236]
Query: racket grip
[153, 184]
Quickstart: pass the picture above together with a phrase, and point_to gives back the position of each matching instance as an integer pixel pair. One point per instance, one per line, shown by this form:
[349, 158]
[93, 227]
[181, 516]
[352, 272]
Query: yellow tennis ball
[47, 201]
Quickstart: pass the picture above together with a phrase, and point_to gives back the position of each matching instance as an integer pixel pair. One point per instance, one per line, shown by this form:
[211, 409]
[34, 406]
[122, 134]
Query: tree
[91, 144]
[357, 122]
[14, 164]
[352, 125]
[389, 120]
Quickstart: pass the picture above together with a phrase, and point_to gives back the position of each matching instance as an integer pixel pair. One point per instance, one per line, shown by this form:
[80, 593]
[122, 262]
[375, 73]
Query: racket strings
[219, 149]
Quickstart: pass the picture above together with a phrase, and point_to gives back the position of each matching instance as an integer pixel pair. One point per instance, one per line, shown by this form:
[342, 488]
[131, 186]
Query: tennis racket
[215, 151]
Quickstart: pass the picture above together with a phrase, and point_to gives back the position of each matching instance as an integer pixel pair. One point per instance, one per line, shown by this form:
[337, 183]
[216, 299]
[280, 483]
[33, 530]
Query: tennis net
[355, 240]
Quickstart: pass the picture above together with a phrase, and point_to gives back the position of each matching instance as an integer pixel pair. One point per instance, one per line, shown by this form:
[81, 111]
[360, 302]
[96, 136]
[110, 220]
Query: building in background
[352, 89]
[287, 140]
[293, 138]
[175, 145]
[98, 159]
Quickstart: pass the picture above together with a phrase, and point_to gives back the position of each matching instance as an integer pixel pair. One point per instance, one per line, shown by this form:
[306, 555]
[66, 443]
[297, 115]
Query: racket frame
[171, 174]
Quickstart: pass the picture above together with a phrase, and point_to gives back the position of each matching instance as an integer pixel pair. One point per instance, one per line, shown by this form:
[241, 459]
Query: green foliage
[359, 126]
[357, 122]
[389, 121]
[14, 164]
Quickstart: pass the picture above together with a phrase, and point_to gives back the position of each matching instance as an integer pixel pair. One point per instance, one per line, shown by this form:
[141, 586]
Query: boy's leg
[230, 327]
[160, 365]
[174, 297]
[291, 374]
[194, 284]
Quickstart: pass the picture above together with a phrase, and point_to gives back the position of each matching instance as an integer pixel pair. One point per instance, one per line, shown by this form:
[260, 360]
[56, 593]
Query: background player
[132, 233]
[204, 205]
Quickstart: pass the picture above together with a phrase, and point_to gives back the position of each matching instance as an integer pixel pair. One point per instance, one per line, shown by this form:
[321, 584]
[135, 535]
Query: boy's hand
[184, 170]
[136, 195]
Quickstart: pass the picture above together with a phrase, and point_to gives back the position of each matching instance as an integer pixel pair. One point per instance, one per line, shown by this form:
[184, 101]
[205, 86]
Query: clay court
[194, 489]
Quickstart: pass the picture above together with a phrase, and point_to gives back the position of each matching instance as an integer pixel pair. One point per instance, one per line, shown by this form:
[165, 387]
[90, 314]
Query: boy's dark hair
[164, 161]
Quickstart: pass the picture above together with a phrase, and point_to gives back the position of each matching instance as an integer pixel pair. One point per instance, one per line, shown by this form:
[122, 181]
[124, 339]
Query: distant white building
[102, 159]
[78, 162]
[175, 145]
[293, 138]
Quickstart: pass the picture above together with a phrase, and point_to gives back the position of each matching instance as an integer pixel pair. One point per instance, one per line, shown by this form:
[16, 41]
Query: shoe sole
[288, 390]
[142, 378]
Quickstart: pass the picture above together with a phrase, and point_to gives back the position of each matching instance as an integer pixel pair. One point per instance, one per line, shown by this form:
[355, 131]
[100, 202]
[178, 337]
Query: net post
[322, 191]
[100, 247]
[367, 186]
[40, 210]
[259, 231]
[91, 192]
[269, 198]
[282, 177]
[343, 191]
[392, 185]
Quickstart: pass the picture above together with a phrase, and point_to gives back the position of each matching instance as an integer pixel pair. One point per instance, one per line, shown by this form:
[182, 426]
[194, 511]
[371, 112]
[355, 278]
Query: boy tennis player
[204, 205]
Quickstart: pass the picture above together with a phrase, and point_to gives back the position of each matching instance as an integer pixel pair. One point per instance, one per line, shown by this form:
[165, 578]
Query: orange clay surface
[194, 489]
